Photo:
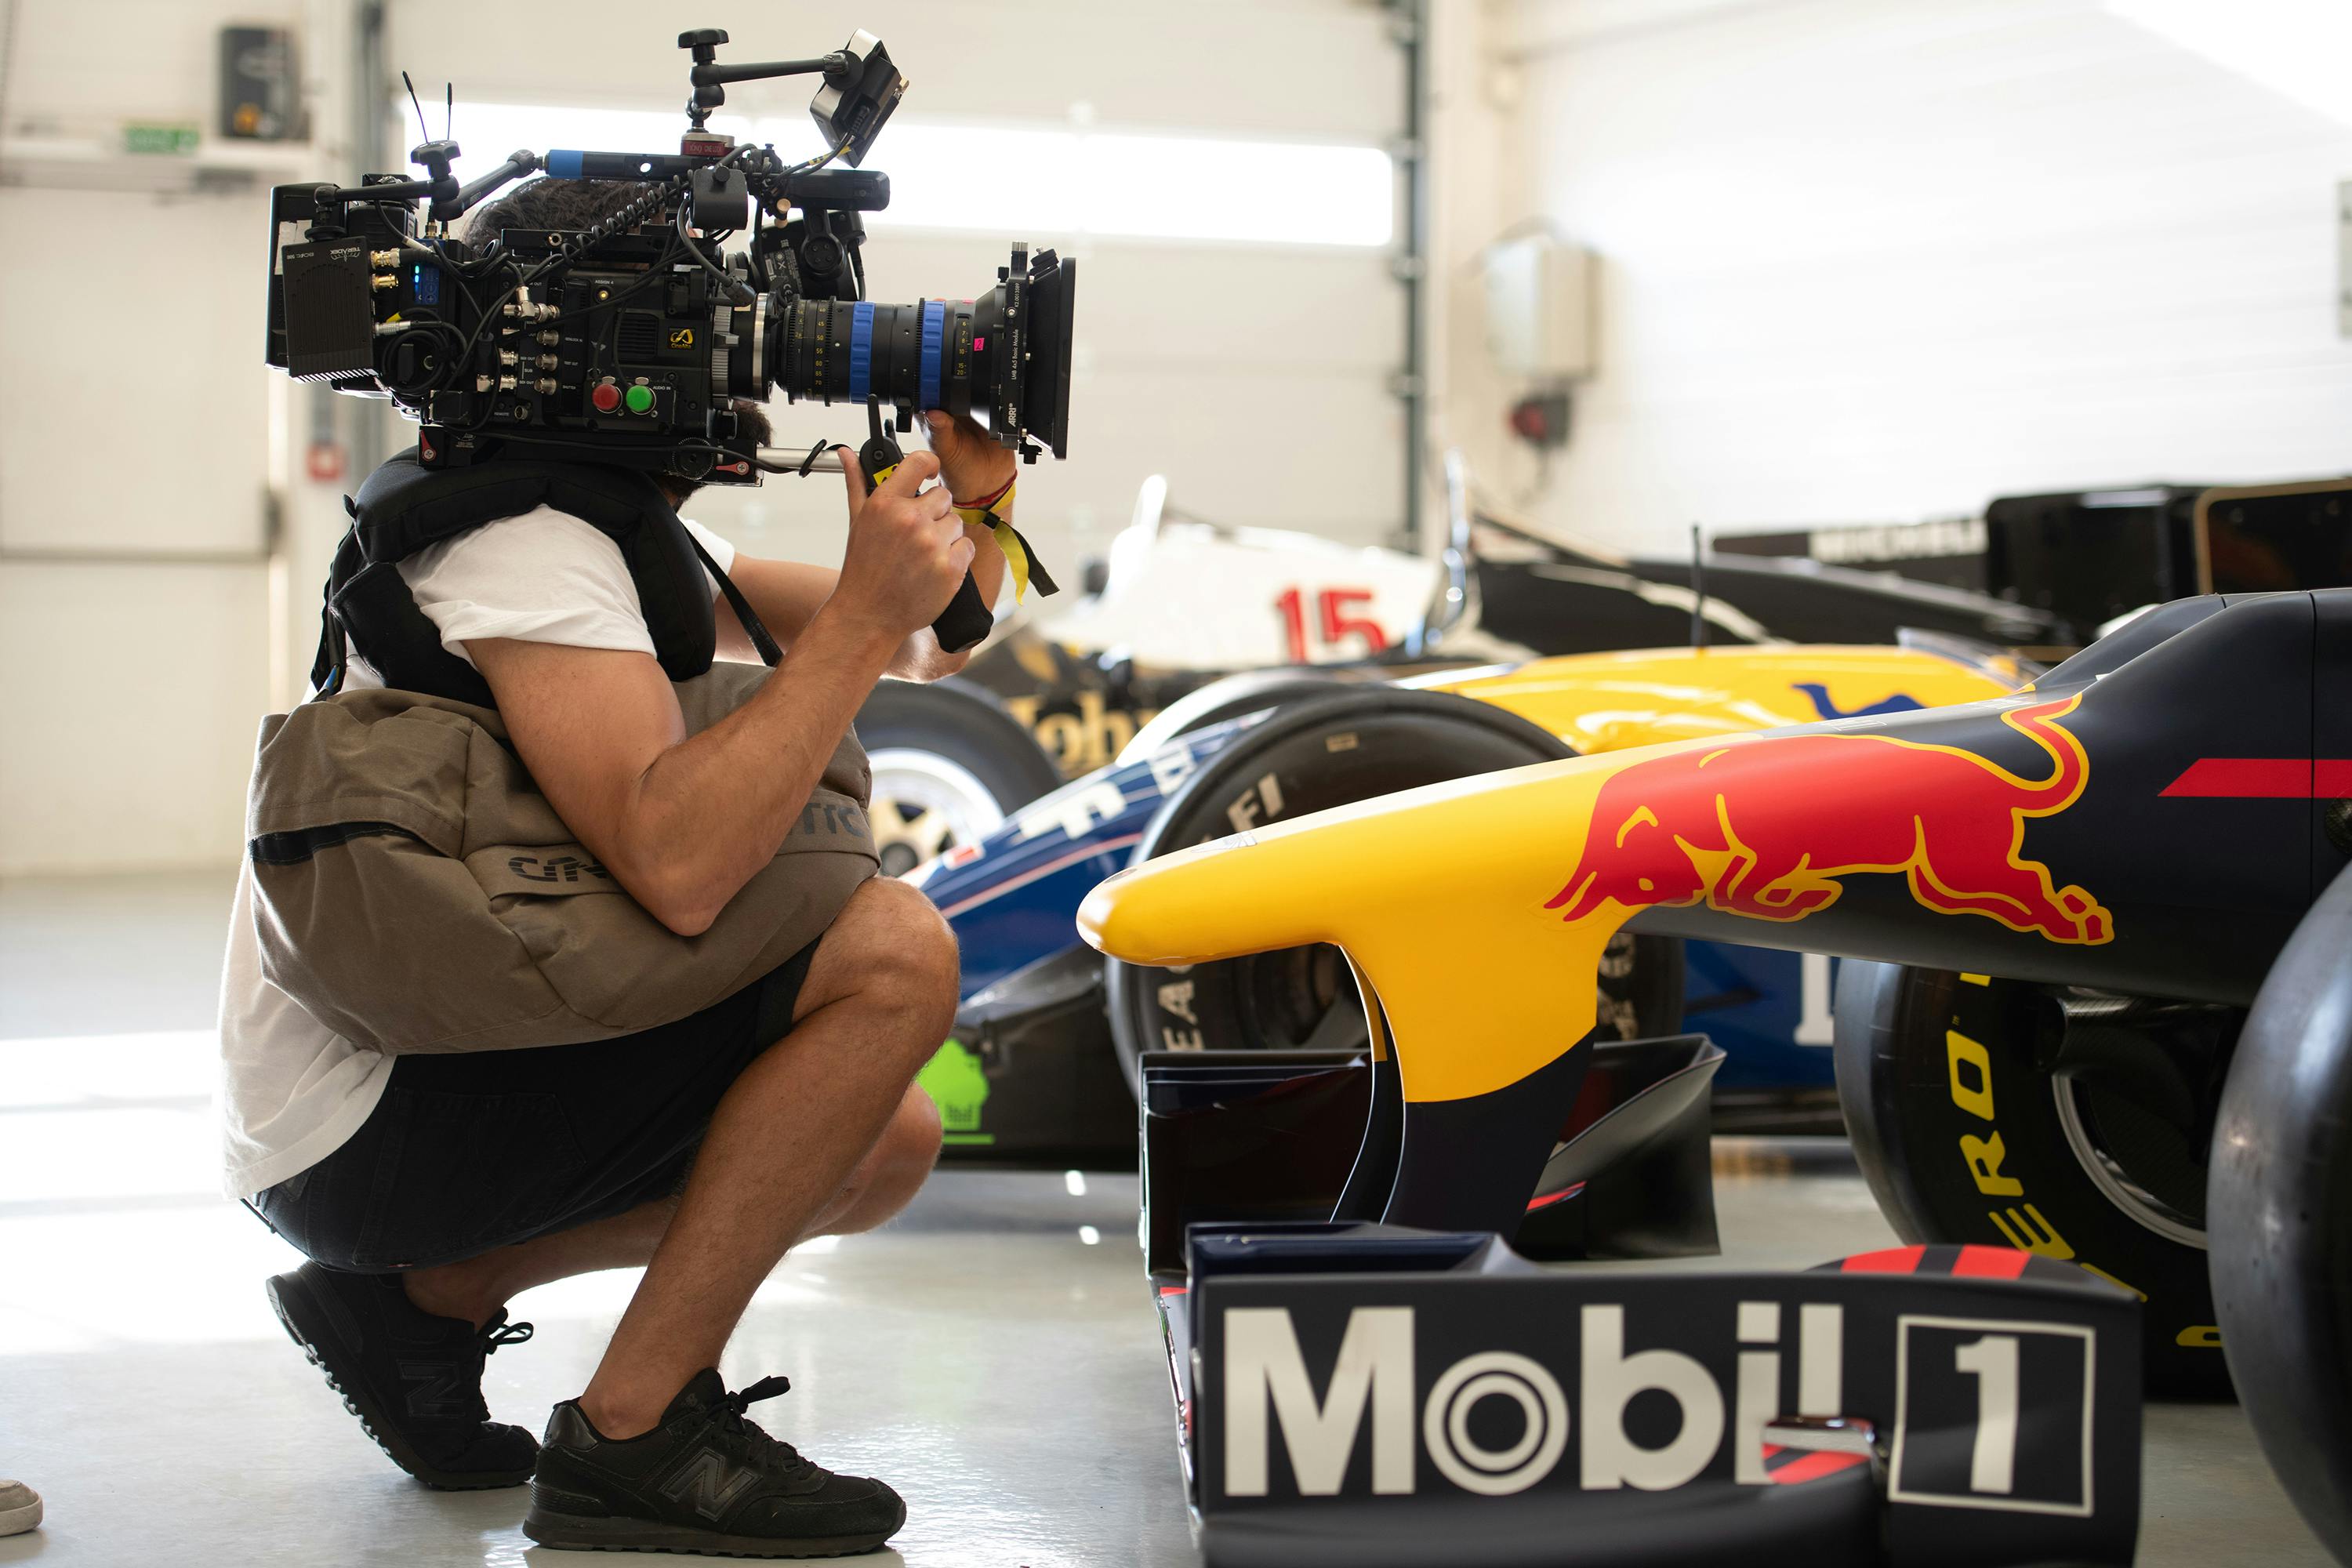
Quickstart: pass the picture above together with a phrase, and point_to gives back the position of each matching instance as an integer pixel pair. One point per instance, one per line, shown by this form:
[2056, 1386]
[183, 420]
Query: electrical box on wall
[260, 90]
[1540, 307]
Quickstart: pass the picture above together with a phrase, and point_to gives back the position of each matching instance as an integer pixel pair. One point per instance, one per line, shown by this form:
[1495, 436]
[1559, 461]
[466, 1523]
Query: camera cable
[737, 292]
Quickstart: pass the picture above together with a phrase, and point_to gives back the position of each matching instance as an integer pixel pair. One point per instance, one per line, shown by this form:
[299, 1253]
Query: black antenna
[422, 129]
[448, 110]
[1698, 593]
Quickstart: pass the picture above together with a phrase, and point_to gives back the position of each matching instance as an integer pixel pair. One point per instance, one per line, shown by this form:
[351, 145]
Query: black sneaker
[413, 1380]
[703, 1480]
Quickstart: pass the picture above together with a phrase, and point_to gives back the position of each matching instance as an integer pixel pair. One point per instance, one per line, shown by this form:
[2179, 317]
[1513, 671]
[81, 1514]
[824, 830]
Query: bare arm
[684, 822]
[786, 595]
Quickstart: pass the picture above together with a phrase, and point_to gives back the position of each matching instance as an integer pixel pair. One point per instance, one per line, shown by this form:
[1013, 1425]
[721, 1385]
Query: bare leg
[883, 1183]
[784, 1141]
[476, 1288]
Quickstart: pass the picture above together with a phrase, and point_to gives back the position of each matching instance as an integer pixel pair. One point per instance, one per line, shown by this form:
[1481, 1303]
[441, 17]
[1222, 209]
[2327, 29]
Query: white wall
[1867, 260]
[1478, 189]
[127, 713]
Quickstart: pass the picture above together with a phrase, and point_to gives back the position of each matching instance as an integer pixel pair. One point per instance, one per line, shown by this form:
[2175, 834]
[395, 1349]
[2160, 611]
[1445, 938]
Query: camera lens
[914, 356]
[1004, 358]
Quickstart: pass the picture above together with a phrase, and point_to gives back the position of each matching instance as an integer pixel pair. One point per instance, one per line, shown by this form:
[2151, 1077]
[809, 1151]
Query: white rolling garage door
[135, 623]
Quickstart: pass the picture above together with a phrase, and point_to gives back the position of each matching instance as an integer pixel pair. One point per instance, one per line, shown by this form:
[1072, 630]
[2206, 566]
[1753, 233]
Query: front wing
[1371, 1396]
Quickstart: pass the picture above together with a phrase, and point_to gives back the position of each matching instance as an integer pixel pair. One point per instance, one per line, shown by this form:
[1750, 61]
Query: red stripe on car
[2263, 778]
[1894, 1260]
[1545, 1200]
[1813, 1466]
[1991, 1262]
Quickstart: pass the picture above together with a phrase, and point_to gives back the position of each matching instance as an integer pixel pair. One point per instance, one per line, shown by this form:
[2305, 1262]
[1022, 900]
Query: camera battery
[330, 309]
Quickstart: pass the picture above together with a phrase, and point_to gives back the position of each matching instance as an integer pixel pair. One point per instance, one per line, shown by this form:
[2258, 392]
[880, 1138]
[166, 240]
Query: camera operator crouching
[390, 1123]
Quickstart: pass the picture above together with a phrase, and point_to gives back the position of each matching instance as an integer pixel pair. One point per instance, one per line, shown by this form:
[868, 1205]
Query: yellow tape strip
[1015, 557]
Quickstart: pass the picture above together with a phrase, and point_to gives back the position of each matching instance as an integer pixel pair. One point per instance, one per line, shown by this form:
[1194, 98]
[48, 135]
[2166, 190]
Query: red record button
[606, 397]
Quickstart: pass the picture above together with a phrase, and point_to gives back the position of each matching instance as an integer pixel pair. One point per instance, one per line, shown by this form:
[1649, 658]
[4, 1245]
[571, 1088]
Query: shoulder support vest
[404, 506]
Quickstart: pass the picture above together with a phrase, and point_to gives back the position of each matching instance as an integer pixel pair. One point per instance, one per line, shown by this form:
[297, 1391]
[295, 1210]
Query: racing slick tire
[949, 765]
[2281, 1201]
[1251, 691]
[1967, 1131]
[1335, 750]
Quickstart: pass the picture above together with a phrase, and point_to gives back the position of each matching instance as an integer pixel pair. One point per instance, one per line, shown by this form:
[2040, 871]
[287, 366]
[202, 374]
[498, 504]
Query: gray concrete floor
[992, 1354]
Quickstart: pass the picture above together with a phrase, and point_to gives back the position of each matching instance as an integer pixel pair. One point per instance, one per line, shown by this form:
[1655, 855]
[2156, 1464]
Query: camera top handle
[839, 68]
[861, 88]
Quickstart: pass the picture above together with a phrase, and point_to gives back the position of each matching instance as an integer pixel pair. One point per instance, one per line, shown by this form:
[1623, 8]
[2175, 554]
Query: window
[2291, 46]
[1056, 183]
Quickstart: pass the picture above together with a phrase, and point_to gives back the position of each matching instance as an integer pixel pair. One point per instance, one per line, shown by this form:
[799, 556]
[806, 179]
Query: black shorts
[475, 1150]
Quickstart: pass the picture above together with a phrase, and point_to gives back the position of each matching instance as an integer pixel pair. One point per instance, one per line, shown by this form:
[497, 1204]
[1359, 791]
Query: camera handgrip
[968, 618]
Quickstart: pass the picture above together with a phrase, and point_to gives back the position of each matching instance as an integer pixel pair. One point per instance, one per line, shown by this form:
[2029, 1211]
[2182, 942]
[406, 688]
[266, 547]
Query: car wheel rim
[924, 805]
[1300, 998]
[2120, 1061]
[2078, 1113]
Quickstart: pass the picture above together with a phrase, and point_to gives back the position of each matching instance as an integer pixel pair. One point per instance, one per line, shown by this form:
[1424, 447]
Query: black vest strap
[405, 507]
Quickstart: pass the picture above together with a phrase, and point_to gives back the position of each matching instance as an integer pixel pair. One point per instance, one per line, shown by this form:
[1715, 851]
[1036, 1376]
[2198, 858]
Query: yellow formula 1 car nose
[1437, 895]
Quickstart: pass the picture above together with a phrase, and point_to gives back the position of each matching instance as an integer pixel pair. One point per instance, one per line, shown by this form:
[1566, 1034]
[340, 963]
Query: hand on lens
[973, 464]
[908, 551]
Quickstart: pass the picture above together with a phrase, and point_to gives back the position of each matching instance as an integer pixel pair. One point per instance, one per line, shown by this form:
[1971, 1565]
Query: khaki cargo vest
[414, 892]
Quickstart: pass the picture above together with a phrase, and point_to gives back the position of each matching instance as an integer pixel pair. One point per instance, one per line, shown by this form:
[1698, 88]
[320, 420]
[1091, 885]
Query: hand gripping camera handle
[967, 619]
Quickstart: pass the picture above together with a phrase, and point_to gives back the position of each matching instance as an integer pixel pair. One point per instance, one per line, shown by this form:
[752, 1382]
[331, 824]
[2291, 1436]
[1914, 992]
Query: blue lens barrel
[910, 356]
[926, 377]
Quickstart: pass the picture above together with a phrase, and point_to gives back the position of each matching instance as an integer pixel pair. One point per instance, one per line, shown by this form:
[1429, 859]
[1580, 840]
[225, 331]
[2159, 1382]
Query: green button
[638, 398]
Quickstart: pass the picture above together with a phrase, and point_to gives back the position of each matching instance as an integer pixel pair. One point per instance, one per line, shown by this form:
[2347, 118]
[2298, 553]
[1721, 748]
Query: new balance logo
[437, 1391]
[713, 1482]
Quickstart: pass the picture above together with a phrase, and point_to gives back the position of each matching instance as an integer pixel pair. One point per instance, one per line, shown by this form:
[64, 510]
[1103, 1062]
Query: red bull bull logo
[1765, 828]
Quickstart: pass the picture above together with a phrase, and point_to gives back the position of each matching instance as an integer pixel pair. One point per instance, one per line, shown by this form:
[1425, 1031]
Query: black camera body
[628, 342]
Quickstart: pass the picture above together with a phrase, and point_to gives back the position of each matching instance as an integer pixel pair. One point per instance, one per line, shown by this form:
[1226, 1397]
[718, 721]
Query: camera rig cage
[628, 341]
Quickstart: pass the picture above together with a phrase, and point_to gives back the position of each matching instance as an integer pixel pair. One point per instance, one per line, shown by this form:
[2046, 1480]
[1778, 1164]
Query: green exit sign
[171, 141]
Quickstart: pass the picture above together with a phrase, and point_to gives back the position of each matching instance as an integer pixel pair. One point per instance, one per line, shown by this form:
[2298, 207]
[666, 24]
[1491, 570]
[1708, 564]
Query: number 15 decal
[1335, 622]
[1994, 1414]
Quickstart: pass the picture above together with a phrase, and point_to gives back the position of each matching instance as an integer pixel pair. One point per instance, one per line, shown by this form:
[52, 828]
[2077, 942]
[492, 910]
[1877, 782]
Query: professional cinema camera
[627, 342]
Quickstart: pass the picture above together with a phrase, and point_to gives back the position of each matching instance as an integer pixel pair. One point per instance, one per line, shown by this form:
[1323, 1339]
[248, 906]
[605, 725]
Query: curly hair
[552, 204]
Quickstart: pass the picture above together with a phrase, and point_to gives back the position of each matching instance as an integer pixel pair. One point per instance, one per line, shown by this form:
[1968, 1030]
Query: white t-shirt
[291, 1090]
